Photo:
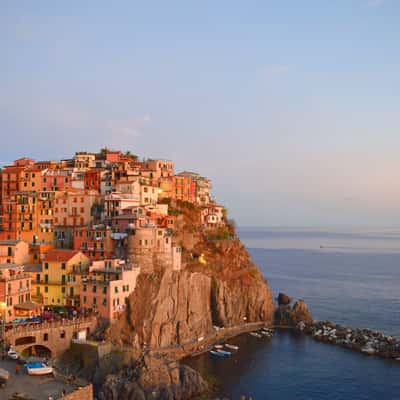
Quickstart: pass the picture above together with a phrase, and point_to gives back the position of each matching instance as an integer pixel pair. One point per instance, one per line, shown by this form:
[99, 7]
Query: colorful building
[58, 282]
[15, 292]
[107, 287]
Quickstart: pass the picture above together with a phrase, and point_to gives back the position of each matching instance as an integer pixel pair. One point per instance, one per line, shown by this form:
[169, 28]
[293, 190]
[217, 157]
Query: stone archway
[25, 340]
[37, 350]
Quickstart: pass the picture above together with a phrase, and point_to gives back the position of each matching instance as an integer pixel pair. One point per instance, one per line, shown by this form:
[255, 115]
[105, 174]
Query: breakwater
[366, 341]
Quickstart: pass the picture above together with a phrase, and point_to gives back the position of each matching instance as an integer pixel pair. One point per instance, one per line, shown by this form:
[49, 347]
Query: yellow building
[59, 280]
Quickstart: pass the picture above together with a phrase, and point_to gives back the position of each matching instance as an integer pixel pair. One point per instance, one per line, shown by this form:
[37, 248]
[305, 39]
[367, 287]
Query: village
[76, 233]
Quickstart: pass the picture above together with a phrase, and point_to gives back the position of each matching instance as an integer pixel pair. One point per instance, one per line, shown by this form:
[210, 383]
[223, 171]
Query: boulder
[284, 299]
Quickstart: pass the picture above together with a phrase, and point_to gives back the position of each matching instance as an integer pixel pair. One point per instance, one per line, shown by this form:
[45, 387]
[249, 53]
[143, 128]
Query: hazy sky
[292, 108]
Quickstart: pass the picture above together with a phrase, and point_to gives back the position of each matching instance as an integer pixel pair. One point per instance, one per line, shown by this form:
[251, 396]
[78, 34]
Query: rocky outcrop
[167, 309]
[286, 315]
[157, 379]
[171, 310]
[284, 299]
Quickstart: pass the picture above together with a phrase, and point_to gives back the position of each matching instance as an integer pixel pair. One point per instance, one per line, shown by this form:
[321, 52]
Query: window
[104, 302]
[84, 288]
[63, 290]
[9, 251]
[62, 334]
[94, 301]
[94, 289]
[46, 265]
[116, 289]
[62, 265]
[45, 337]
[46, 289]
[63, 280]
[84, 299]
[46, 278]
[105, 289]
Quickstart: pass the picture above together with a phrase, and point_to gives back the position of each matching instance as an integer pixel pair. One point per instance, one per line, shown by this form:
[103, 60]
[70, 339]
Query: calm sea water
[350, 277]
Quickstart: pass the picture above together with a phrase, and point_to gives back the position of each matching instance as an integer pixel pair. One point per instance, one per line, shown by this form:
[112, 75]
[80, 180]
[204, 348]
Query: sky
[290, 107]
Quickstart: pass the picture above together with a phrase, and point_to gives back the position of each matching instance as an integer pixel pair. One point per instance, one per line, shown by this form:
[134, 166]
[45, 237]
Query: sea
[349, 276]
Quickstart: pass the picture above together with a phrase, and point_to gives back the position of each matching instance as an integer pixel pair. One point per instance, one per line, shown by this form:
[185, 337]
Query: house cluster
[77, 232]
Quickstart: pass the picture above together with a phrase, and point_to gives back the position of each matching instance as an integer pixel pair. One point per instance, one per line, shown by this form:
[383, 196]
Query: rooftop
[60, 255]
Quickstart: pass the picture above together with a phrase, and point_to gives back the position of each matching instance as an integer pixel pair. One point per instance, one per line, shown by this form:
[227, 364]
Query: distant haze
[290, 107]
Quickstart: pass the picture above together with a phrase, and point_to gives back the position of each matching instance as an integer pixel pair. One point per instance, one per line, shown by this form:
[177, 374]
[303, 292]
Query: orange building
[74, 208]
[95, 242]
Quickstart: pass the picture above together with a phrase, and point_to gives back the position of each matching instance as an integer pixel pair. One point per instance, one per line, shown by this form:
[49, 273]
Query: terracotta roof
[60, 255]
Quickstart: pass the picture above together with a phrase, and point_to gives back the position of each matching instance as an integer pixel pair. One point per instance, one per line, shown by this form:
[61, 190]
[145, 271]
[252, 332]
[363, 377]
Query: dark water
[353, 279]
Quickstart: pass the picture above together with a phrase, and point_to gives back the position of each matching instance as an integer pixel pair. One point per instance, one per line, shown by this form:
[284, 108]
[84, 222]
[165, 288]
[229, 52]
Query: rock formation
[157, 379]
[284, 299]
[286, 315]
[218, 286]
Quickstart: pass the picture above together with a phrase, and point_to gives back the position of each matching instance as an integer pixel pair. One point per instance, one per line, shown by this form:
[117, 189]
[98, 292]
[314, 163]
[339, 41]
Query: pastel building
[107, 287]
[213, 216]
[95, 242]
[15, 291]
[14, 252]
[59, 280]
[57, 179]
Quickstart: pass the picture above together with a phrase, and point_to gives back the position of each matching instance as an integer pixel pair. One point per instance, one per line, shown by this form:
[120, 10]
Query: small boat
[225, 353]
[38, 368]
[231, 346]
[264, 333]
[255, 334]
[218, 346]
[219, 353]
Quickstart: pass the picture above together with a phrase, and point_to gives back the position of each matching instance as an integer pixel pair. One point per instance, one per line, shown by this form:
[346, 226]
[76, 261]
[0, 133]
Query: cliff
[218, 285]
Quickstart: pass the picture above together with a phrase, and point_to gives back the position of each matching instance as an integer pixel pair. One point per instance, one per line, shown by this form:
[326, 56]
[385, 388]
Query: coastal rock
[284, 299]
[158, 378]
[301, 312]
[292, 316]
[218, 286]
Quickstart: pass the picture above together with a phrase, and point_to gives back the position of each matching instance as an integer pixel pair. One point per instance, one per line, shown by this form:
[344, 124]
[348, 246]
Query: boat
[255, 334]
[264, 333]
[225, 353]
[38, 368]
[218, 346]
[231, 346]
[217, 353]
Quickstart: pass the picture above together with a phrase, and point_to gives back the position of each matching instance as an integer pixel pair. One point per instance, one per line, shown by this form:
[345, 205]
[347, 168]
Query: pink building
[15, 292]
[107, 288]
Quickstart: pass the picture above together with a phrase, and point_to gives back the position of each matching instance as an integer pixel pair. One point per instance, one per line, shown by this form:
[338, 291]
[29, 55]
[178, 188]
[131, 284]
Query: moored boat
[225, 353]
[255, 334]
[231, 346]
[38, 369]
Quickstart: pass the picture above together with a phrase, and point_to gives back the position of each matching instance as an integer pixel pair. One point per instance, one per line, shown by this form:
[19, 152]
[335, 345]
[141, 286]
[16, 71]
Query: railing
[21, 329]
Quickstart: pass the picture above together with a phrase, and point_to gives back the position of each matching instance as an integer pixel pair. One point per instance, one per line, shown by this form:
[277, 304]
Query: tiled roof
[60, 255]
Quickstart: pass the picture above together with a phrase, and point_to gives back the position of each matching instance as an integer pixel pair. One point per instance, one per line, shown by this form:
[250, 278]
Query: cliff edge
[218, 285]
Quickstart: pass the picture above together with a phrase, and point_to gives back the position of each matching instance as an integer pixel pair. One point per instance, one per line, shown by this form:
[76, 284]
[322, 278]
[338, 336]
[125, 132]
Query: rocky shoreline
[366, 341]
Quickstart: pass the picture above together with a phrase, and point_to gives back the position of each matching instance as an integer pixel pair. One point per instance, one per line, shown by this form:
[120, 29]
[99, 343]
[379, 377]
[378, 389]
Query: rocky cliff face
[170, 308]
[218, 285]
[159, 379]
